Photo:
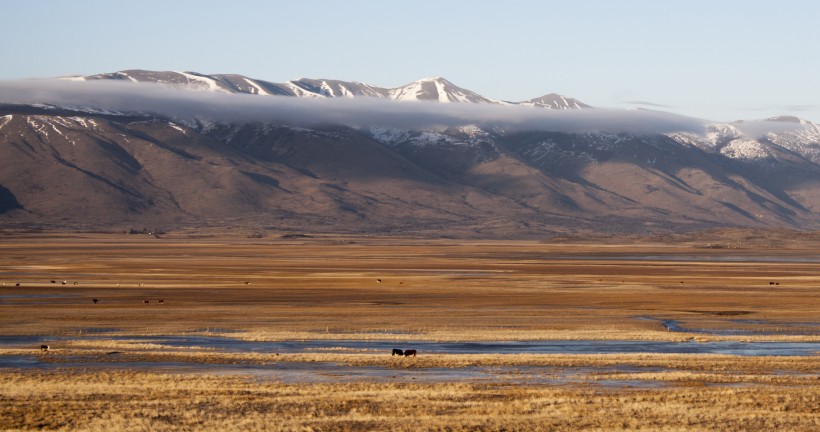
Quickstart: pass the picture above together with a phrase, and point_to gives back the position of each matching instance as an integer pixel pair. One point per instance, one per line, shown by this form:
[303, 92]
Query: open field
[733, 287]
[147, 401]
[329, 287]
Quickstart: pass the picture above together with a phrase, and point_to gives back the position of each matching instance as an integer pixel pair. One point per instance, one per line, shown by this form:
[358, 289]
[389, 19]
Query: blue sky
[721, 60]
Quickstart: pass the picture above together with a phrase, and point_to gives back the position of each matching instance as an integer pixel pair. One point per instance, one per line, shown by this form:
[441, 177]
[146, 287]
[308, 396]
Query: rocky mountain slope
[85, 169]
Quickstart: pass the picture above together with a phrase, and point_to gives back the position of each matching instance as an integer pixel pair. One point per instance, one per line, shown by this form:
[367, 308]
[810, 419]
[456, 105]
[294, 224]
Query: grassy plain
[444, 289]
[738, 285]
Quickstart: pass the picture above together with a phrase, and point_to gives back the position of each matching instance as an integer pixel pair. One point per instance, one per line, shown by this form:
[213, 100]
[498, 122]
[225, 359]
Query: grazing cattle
[771, 283]
[379, 280]
[161, 301]
[64, 282]
[247, 283]
[397, 352]
[94, 300]
[76, 283]
[17, 284]
[408, 353]
[54, 282]
[140, 283]
[44, 348]
[146, 301]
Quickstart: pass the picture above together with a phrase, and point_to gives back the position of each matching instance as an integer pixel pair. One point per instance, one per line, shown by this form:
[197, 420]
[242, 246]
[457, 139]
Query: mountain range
[77, 167]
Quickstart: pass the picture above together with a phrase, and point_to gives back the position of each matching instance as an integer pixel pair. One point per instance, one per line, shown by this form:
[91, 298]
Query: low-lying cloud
[185, 104]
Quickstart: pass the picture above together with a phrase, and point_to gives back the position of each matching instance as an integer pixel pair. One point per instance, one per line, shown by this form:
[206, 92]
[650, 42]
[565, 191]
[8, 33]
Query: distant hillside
[73, 168]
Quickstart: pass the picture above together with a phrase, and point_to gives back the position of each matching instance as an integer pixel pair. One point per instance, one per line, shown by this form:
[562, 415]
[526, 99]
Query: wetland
[284, 333]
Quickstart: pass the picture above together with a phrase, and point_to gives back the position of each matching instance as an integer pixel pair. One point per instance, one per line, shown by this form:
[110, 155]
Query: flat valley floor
[716, 331]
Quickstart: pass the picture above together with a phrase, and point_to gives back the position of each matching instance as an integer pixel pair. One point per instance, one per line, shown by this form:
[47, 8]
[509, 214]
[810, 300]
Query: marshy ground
[110, 364]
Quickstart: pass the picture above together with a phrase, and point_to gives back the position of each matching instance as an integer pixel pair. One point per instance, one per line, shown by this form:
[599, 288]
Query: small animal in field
[44, 348]
[64, 282]
[76, 283]
[379, 280]
[397, 352]
[408, 353]
[17, 284]
[247, 282]
[146, 301]
[161, 301]
[94, 300]
[54, 282]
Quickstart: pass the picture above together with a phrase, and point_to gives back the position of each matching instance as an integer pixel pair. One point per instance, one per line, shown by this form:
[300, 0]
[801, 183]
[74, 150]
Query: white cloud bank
[181, 103]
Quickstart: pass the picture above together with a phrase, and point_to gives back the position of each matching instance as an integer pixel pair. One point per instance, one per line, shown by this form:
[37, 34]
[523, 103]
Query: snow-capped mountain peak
[555, 101]
[435, 89]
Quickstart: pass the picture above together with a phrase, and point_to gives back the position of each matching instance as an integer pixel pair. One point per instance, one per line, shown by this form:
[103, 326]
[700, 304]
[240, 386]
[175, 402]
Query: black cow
[397, 352]
[408, 353]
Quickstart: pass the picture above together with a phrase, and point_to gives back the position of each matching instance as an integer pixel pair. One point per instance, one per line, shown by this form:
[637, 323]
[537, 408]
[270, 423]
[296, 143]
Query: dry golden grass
[435, 290]
[145, 401]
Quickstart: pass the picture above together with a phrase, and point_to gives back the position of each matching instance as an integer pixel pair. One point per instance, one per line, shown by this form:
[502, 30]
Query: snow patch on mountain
[255, 88]
[299, 91]
[472, 137]
[6, 119]
[555, 101]
[745, 148]
[204, 82]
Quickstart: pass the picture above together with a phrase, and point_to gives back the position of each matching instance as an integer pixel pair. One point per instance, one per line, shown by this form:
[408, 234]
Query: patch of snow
[39, 128]
[259, 89]
[745, 148]
[130, 78]
[327, 89]
[345, 91]
[299, 91]
[177, 128]
[443, 97]
[6, 120]
[409, 92]
[79, 120]
[55, 129]
[203, 82]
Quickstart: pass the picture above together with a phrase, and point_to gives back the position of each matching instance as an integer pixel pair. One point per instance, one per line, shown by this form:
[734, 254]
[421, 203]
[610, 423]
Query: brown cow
[408, 353]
